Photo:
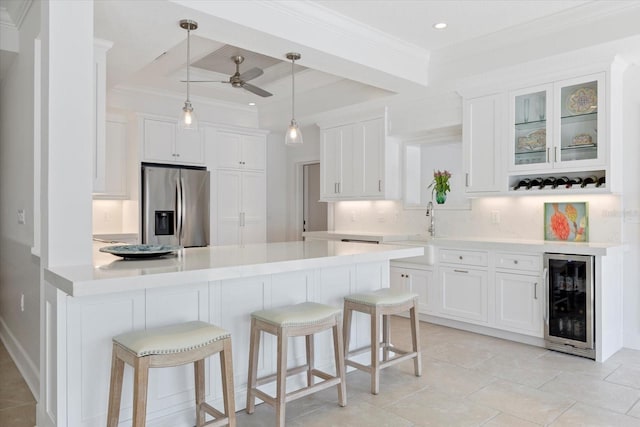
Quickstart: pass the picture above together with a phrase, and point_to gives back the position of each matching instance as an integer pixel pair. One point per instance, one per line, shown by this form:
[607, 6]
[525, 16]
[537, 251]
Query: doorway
[314, 213]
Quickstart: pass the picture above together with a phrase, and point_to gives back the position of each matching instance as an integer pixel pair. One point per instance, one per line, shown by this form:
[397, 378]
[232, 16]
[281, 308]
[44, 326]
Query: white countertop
[480, 243]
[112, 274]
[378, 236]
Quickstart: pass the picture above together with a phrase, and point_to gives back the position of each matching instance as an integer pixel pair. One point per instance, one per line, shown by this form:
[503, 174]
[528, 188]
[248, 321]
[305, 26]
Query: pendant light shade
[293, 136]
[188, 120]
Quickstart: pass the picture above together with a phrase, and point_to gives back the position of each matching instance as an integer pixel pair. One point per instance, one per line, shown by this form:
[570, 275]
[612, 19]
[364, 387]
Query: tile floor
[468, 380]
[17, 405]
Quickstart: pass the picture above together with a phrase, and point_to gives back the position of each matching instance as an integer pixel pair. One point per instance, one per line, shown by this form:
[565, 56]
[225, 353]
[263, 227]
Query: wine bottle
[574, 181]
[536, 182]
[549, 181]
[589, 180]
[601, 182]
[563, 180]
[522, 183]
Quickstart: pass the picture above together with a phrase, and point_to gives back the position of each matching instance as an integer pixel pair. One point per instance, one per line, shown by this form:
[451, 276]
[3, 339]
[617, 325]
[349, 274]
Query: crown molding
[13, 16]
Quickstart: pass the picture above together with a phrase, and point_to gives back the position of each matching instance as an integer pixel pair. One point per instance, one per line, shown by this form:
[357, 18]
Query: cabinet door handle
[379, 185]
[466, 179]
[546, 295]
[555, 154]
[515, 261]
[338, 187]
[535, 290]
[460, 257]
[461, 271]
[548, 156]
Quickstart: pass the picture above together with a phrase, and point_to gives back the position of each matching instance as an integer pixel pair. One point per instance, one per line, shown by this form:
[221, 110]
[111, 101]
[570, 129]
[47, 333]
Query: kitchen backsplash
[489, 217]
[115, 216]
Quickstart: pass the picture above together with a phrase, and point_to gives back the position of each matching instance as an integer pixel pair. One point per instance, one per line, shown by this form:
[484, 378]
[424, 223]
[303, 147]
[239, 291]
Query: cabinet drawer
[456, 256]
[522, 262]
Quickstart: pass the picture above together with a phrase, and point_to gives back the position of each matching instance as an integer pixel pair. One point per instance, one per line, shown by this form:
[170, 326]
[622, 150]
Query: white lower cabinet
[419, 281]
[464, 293]
[519, 303]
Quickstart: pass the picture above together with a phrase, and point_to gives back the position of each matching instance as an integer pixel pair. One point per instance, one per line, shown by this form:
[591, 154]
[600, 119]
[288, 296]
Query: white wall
[630, 211]
[19, 270]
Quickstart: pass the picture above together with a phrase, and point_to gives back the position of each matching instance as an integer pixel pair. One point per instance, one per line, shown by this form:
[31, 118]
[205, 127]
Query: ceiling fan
[240, 80]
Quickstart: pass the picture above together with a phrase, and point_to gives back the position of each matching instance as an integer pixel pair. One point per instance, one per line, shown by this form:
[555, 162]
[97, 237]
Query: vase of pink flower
[440, 185]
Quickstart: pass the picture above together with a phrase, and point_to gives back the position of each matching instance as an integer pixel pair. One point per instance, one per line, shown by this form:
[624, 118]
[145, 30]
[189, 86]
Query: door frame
[299, 201]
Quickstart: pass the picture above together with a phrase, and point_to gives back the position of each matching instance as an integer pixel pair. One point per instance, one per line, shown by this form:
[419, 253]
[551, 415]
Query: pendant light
[293, 136]
[188, 120]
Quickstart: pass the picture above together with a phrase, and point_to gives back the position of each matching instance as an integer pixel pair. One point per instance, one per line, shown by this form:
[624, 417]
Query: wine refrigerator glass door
[570, 304]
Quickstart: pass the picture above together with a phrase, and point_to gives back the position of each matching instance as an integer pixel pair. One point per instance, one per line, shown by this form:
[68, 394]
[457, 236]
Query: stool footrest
[272, 377]
[383, 363]
[328, 381]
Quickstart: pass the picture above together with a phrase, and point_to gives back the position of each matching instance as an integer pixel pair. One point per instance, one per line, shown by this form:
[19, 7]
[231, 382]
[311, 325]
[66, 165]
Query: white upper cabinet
[483, 119]
[553, 131]
[163, 142]
[358, 162]
[237, 150]
[556, 126]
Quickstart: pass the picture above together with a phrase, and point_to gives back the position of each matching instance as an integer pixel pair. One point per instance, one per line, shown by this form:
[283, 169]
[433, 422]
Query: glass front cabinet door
[556, 126]
[531, 112]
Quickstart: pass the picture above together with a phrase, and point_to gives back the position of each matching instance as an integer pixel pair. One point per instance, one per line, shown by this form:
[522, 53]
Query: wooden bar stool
[173, 345]
[382, 303]
[297, 320]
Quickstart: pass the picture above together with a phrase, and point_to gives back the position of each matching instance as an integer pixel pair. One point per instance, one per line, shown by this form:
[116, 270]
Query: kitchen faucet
[432, 222]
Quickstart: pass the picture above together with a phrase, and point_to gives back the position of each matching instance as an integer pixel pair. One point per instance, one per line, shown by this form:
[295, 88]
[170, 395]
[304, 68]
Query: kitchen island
[86, 305]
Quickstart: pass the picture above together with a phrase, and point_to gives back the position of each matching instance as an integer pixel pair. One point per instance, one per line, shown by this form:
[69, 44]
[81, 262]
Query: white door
[330, 163]
[518, 303]
[464, 293]
[253, 208]
[373, 144]
[229, 207]
[314, 211]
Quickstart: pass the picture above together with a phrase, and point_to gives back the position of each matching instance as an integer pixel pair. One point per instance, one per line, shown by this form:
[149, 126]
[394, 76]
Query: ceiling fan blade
[254, 89]
[251, 74]
[205, 81]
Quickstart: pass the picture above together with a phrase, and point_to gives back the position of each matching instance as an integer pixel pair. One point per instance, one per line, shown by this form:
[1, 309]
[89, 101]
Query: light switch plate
[22, 219]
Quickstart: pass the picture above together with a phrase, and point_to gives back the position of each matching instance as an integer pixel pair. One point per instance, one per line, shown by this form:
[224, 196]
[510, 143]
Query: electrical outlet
[495, 217]
[22, 219]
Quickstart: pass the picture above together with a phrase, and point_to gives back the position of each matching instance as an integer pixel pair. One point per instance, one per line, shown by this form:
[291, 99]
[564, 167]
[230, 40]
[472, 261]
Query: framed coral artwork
[567, 222]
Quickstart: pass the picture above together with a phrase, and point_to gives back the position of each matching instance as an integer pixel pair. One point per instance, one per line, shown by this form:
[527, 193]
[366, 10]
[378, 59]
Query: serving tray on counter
[140, 251]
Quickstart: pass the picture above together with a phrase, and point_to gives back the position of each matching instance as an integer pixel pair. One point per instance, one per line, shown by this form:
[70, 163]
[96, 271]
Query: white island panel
[87, 305]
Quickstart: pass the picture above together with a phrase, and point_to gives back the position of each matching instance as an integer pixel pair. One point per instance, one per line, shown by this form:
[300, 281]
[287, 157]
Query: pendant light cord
[293, 92]
[188, 59]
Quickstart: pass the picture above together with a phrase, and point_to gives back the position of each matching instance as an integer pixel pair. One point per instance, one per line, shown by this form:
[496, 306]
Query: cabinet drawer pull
[461, 271]
[460, 257]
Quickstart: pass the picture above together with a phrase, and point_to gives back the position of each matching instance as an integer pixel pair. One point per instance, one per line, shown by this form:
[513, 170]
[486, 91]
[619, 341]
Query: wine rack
[575, 182]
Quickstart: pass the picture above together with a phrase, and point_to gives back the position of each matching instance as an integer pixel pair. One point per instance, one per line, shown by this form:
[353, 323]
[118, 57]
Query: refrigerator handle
[545, 273]
[179, 212]
[183, 208]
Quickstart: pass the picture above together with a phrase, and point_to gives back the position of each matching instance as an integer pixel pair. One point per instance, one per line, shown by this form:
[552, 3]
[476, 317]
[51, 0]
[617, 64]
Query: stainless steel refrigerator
[175, 205]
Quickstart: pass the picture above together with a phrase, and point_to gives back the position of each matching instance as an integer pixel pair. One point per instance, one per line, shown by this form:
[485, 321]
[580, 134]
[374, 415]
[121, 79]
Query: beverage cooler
[569, 312]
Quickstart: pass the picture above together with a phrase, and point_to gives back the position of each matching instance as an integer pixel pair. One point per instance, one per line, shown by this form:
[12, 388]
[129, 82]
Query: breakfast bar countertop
[110, 274]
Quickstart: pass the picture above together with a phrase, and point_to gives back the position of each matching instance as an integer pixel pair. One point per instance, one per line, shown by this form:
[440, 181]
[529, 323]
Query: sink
[426, 259]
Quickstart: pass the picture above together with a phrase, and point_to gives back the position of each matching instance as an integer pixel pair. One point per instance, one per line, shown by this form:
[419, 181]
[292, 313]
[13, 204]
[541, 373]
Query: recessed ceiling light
[440, 25]
[252, 103]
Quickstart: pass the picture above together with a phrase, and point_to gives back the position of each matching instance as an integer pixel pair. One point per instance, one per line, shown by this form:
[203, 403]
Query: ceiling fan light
[188, 119]
[294, 135]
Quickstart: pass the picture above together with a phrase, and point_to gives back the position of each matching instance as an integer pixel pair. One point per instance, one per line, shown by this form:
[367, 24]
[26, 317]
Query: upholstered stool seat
[173, 345]
[303, 319]
[382, 304]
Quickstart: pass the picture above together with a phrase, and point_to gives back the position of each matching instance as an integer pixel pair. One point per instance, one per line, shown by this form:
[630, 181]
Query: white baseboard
[29, 371]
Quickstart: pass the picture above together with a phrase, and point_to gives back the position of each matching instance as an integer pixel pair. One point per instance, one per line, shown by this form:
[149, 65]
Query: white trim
[25, 365]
